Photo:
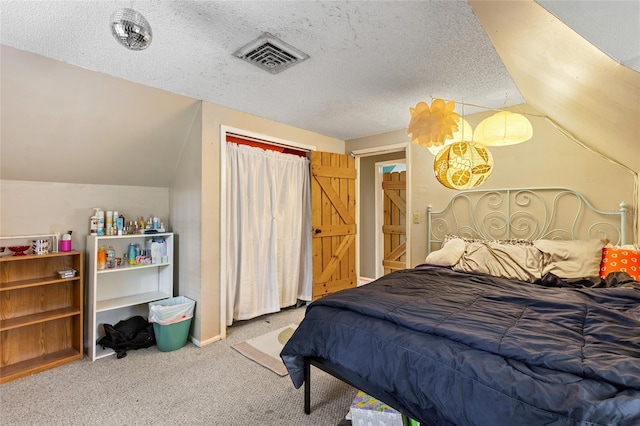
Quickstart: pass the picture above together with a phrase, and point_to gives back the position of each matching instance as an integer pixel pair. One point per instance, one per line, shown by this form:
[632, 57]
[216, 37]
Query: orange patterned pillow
[618, 259]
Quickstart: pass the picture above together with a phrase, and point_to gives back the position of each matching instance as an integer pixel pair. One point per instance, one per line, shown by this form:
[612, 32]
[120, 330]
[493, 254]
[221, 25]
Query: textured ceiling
[369, 60]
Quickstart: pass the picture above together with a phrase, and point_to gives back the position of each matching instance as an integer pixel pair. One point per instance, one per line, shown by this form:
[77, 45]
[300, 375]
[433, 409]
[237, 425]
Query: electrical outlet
[416, 218]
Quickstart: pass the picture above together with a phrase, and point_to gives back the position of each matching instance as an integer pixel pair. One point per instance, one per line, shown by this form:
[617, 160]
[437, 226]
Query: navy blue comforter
[457, 348]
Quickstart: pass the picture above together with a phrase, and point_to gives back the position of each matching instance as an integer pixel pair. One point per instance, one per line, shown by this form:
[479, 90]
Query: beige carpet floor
[213, 385]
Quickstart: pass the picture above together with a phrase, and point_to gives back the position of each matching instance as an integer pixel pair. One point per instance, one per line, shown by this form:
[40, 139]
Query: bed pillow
[513, 261]
[618, 259]
[571, 258]
[469, 240]
[448, 255]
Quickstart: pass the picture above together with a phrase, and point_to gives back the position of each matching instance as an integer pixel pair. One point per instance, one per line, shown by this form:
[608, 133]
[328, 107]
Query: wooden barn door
[333, 222]
[394, 226]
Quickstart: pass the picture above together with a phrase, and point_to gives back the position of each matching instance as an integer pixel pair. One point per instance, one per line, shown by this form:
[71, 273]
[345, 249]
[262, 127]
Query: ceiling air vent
[270, 54]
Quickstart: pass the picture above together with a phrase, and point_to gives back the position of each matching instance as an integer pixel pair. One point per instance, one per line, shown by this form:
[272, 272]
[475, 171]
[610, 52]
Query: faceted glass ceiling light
[131, 29]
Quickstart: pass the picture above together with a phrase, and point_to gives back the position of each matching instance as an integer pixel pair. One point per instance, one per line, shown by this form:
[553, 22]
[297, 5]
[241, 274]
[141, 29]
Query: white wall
[186, 217]
[45, 207]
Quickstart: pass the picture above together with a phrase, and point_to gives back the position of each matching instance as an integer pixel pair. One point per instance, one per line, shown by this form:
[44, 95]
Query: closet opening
[265, 238]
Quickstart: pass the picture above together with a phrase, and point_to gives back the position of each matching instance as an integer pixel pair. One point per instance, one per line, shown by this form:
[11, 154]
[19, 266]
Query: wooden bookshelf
[41, 314]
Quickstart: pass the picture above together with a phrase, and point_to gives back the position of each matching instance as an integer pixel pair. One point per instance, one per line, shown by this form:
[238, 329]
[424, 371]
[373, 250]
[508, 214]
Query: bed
[511, 326]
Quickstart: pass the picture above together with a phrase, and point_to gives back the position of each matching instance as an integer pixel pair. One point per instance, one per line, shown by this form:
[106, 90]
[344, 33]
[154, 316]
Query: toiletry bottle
[156, 223]
[121, 225]
[132, 254]
[111, 258]
[102, 258]
[109, 223]
[147, 246]
[115, 222]
[93, 222]
[100, 229]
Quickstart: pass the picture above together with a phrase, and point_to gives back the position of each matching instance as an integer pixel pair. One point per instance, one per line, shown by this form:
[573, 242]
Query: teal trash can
[171, 320]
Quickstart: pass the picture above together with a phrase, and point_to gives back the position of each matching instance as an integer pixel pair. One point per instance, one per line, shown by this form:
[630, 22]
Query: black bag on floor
[133, 333]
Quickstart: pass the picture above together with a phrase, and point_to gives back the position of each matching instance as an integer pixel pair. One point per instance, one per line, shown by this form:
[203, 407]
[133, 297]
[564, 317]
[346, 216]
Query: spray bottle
[93, 222]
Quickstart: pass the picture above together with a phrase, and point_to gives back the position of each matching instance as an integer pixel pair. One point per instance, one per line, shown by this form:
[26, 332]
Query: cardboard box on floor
[368, 411]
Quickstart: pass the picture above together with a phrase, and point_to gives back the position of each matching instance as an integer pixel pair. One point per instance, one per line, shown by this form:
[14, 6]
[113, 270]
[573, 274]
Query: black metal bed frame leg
[307, 386]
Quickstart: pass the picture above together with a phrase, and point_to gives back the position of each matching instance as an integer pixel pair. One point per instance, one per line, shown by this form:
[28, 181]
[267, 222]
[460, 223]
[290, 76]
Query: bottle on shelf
[111, 258]
[132, 254]
[102, 258]
[109, 223]
[93, 222]
[100, 229]
[115, 222]
[121, 225]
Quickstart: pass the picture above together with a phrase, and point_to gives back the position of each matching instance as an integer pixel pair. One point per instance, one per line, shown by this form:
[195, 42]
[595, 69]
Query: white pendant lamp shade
[503, 128]
[464, 133]
[131, 29]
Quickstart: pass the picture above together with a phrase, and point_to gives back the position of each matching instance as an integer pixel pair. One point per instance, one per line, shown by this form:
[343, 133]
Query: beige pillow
[448, 255]
[571, 259]
[517, 262]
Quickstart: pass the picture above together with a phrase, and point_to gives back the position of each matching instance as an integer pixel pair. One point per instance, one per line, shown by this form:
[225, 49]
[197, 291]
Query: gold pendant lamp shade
[464, 133]
[463, 165]
[503, 128]
[432, 126]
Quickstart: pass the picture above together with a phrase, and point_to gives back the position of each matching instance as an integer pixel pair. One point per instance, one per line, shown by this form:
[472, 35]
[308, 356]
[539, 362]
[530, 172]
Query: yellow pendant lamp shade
[463, 165]
[463, 133]
[432, 126]
[503, 128]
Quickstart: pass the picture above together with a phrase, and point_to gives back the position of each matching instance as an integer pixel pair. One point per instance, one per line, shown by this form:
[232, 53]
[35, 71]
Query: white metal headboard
[525, 213]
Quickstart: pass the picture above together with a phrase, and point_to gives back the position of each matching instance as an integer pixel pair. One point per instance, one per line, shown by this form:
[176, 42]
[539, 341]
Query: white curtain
[268, 231]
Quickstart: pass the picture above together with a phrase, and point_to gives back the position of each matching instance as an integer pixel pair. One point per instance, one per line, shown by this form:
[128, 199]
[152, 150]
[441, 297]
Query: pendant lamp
[464, 132]
[432, 126]
[463, 165]
[503, 128]
[131, 29]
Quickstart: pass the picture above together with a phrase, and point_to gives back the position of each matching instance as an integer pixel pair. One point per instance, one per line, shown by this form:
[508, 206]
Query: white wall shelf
[119, 293]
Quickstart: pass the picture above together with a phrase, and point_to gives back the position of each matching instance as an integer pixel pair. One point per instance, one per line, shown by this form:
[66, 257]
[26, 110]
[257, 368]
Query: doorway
[370, 213]
[227, 134]
[391, 216]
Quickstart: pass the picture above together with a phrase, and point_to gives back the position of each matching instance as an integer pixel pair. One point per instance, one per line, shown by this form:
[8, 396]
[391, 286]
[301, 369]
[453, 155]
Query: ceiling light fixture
[432, 126]
[464, 133]
[503, 128]
[462, 160]
[131, 29]
[463, 165]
